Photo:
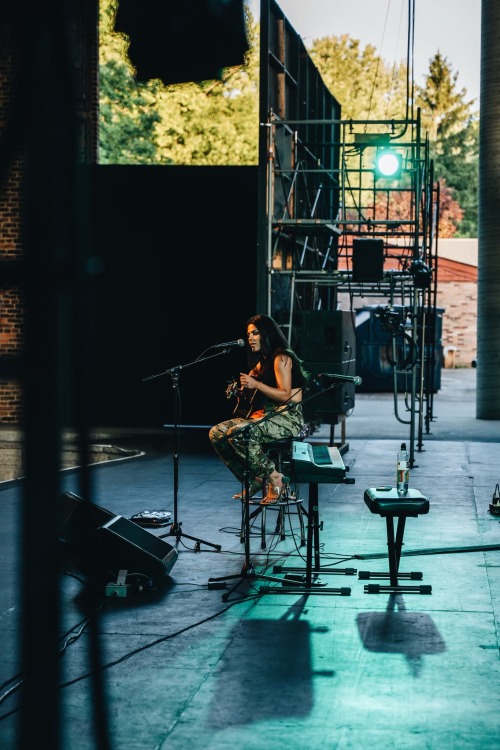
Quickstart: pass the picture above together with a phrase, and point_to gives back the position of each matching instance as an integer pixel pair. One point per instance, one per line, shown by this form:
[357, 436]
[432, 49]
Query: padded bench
[387, 503]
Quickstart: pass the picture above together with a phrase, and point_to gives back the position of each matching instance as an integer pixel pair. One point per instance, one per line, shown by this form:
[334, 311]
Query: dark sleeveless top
[260, 401]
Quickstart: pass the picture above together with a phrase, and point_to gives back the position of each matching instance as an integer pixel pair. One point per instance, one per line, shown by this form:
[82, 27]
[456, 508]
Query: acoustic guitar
[244, 399]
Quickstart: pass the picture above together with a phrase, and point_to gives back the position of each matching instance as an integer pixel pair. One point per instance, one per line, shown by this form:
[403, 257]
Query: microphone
[238, 342]
[346, 378]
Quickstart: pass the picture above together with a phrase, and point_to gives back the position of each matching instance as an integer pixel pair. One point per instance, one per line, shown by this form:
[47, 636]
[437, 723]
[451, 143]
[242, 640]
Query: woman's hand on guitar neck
[232, 389]
[243, 395]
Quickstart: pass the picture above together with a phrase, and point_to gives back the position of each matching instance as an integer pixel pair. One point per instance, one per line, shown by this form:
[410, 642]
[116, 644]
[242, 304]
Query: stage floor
[184, 664]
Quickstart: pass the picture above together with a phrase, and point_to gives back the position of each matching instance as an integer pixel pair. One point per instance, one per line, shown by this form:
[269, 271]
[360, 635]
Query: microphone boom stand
[176, 527]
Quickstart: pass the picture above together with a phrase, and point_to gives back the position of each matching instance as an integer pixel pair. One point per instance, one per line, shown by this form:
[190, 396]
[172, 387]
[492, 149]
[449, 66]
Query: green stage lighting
[388, 163]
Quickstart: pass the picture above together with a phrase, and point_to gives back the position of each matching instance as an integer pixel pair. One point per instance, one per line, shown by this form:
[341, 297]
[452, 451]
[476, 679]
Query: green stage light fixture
[388, 163]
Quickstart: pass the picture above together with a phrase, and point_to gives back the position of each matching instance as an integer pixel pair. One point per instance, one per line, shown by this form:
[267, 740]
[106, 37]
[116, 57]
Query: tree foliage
[360, 80]
[367, 89]
[216, 122]
[402, 208]
[201, 123]
[127, 119]
[451, 213]
[127, 114]
[453, 128]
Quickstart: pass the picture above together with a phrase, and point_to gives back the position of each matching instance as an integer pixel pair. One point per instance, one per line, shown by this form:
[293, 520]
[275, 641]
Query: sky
[452, 27]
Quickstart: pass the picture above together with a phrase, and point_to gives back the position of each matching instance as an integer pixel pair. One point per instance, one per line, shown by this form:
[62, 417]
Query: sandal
[273, 495]
[255, 486]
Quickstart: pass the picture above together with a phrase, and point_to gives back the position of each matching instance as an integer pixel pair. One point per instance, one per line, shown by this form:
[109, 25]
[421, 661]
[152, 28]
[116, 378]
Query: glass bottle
[402, 470]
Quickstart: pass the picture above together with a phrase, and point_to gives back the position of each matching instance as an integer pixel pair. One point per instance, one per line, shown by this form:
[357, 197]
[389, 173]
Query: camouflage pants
[238, 448]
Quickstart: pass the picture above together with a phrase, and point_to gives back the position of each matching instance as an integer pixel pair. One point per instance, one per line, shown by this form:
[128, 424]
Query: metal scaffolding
[333, 229]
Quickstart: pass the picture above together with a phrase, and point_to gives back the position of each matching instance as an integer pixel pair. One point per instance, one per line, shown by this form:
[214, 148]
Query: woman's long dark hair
[273, 342]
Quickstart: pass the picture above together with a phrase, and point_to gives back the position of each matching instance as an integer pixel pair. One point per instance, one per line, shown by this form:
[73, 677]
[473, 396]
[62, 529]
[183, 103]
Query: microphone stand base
[176, 530]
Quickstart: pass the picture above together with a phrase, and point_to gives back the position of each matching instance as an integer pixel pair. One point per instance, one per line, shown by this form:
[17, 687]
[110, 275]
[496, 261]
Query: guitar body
[244, 399]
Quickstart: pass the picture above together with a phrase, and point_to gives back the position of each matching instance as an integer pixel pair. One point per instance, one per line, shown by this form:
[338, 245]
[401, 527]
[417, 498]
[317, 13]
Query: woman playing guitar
[269, 400]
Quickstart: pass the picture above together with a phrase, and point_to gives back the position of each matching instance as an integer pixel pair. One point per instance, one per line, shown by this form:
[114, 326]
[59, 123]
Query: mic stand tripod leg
[176, 527]
[175, 530]
[247, 572]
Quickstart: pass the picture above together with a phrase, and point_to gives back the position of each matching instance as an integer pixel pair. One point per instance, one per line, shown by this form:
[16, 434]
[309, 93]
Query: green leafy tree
[368, 89]
[127, 121]
[402, 208]
[212, 122]
[361, 81]
[216, 122]
[201, 123]
[127, 113]
[453, 129]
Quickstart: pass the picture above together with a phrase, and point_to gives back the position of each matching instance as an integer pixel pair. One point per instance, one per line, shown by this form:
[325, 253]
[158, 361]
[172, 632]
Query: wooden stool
[388, 504]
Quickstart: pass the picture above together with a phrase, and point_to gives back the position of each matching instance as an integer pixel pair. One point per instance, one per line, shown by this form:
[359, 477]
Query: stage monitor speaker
[367, 259]
[78, 519]
[122, 545]
[106, 543]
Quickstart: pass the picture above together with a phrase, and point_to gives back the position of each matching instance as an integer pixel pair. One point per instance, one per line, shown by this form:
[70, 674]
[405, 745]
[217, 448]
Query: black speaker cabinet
[367, 259]
[325, 336]
[331, 401]
[122, 545]
[326, 342]
[78, 519]
[106, 543]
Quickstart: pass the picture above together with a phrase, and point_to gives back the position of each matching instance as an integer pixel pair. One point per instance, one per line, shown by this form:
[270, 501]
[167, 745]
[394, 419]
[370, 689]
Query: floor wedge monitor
[106, 543]
[122, 545]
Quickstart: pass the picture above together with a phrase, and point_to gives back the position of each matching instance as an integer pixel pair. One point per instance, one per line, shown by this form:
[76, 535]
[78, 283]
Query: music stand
[176, 527]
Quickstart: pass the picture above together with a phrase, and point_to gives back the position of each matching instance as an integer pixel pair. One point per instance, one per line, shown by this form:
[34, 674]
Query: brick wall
[85, 42]
[459, 300]
[11, 319]
[457, 294]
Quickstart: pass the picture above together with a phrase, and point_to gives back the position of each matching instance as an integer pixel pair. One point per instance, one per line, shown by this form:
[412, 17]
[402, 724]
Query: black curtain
[174, 256]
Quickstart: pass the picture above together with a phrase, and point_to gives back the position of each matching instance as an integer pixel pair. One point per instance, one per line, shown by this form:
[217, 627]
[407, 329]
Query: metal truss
[337, 229]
